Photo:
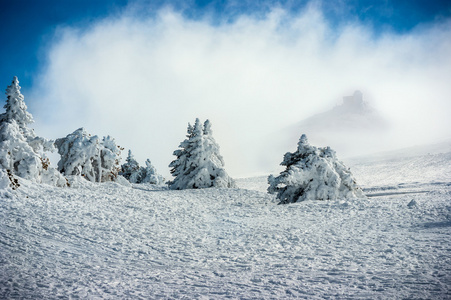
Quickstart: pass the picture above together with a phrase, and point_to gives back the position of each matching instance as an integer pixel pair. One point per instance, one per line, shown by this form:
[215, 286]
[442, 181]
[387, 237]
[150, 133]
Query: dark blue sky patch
[28, 26]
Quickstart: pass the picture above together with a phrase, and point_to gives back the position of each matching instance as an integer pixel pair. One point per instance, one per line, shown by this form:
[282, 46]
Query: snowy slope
[138, 242]
[414, 166]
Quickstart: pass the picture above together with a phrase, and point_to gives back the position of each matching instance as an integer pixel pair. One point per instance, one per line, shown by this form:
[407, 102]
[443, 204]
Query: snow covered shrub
[136, 174]
[21, 151]
[94, 159]
[130, 166]
[151, 175]
[198, 163]
[110, 157]
[313, 174]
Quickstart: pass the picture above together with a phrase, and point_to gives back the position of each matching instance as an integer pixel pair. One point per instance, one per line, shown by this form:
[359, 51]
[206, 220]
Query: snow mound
[122, 181]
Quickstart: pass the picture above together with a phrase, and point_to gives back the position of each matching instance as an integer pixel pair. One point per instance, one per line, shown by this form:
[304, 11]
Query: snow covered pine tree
[151, 175]
[94, 159]
[199, 164]
[313, 174]
[136, 174]
[21, 151]
[130, 166]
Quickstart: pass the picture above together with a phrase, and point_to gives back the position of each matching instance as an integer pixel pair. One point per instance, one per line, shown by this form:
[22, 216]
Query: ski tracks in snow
[111, 241]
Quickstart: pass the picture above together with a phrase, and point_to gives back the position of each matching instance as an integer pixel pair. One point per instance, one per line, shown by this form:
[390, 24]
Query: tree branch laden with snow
[88, 156]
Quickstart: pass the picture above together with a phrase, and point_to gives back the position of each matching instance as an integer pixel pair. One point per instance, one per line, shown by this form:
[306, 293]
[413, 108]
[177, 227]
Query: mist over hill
[354, 115]
[352, 128]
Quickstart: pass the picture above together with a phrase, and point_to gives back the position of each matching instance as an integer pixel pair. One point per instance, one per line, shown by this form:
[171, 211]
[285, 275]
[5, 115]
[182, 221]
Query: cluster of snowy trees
[23, 154]
[136, 174]
[311, 172]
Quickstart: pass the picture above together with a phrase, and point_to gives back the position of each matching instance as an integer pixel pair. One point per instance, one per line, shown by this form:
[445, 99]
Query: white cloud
[142, 80]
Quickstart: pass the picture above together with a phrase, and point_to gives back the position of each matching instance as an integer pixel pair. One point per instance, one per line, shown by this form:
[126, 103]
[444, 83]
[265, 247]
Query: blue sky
[27, 26]
[141, 70]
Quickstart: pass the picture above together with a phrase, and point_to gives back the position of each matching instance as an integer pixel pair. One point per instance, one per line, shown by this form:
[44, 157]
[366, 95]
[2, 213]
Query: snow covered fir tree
[130, 166]
[150, 174]
[198, 163]
[313, 174]
[82, 154]
[21, 151]
[136, 174]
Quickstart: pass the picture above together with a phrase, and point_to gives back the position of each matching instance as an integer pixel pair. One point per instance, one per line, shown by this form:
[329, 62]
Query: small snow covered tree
[21, 151]
[214, 162]
[178, 165]
[136, 174]
[151, 175]
[198, 163]
[16, 109]
[313, 174]
[110, 157]
[130, 166]
[88, 156]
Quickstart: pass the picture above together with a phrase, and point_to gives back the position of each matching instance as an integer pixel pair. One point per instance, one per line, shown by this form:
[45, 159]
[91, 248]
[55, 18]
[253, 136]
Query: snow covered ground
[110, 241]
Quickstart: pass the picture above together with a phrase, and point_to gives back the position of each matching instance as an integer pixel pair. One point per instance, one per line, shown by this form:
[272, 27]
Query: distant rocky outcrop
[353, 103]
[353, 115]
[351, 128]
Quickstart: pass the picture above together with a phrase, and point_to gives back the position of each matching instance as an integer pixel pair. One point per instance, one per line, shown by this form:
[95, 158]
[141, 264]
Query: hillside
[116, 242]
[352, 128]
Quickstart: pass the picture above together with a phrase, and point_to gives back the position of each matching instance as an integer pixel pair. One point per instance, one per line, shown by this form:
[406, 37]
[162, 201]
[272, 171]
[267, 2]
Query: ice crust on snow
[313, 174]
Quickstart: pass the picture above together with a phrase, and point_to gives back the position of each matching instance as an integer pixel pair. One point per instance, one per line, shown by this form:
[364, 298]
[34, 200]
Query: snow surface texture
[5, 183]
[94, 159]
[21, 151]
[198, 164]
[144, 242]
[313, 174]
